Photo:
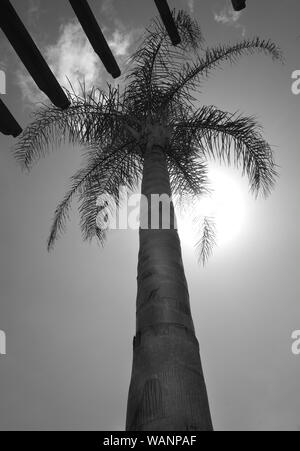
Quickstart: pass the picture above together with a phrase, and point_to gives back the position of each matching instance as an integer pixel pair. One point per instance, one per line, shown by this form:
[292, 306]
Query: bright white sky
[69, 316]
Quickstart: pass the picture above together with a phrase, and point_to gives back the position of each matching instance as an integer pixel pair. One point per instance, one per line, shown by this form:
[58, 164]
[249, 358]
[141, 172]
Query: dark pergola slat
[8, 125]
[30, 55]
[95, 36]
[167, 18]
[238, 5]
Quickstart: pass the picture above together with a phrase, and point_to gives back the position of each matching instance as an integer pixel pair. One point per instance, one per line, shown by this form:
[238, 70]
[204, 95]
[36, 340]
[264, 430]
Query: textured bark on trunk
[167, 390]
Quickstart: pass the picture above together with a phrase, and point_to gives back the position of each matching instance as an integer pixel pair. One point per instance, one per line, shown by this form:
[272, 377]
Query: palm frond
[207, 242]
[188, 173]
[188, 28]
[125, 172]
[232, 138]
[100, 164]
[93, 117]
[190, 76]
[156, 60]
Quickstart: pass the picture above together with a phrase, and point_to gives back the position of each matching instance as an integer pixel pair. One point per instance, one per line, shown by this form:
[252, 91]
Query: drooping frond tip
[105, 171]
[207, 242]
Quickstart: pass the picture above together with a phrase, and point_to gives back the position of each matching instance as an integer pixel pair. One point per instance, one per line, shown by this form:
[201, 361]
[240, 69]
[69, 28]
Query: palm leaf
[92, 118]
[191, 74]
[231, 138]
[207, 242]
[97, 170]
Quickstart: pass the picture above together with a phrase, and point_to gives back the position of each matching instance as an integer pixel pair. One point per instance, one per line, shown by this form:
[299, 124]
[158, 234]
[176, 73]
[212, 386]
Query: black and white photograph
[150, 218]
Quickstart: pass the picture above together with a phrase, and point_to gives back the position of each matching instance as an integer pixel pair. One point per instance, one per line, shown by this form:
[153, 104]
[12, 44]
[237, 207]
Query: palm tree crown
[116, 125]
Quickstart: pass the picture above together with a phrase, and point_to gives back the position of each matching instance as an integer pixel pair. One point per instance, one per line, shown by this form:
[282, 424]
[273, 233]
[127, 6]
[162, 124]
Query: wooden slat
[168, 21]
[238, 5]
[8, 125]
[95, 35]
[30, 55]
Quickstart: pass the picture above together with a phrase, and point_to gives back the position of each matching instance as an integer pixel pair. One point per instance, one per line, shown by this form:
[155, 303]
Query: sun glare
[225, 205]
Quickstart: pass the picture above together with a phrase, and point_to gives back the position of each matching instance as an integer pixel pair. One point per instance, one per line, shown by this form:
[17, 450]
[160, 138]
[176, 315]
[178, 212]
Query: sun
[226, 205]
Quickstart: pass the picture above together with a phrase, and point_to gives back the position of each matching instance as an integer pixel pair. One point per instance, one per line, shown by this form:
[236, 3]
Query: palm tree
[150, 130]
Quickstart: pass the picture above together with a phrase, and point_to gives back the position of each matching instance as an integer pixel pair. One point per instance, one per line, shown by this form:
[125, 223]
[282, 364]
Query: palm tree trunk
[167, 390]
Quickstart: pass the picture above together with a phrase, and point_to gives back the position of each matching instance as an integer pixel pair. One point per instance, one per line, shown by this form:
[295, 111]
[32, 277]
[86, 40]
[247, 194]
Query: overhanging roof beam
[167, 18]
[8, 125]
[95, 36]
[238, 5]
[30, 55]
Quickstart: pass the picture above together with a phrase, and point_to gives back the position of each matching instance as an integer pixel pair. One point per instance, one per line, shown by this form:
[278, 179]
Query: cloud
[227, 16]
[73, 58]
[120, 43]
